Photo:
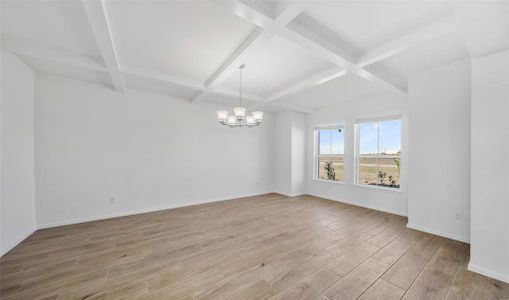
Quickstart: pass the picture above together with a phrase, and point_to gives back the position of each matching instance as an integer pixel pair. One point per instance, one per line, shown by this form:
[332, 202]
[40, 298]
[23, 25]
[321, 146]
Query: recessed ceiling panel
[367, 24]
[61, 24]
[343, 88]
[55, 68]
[438, 52]
[157, 86]
[229, 101]
[276, 65]
[189, 39]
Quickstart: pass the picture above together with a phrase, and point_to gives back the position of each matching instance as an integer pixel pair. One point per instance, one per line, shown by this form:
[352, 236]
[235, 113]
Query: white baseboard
[290, 195]
[387, 210]
[15, 243]
[483, 271]
[440, 233]
[140, 211]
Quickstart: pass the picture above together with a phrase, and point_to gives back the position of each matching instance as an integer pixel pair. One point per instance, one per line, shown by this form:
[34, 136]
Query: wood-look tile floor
[250, 248]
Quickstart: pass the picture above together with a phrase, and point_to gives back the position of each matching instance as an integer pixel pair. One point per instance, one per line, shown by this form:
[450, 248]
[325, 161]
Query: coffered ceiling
[300, 55]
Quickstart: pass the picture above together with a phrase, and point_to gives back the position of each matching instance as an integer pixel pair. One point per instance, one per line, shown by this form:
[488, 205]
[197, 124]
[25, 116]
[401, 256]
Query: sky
[332, 141]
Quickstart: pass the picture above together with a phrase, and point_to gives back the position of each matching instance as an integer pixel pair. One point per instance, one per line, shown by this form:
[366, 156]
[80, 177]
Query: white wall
[348, 112]
[290, 147]
[298, 135]
[439, 173]
[17, 196]
[490, 166]
[147, 151]
[283, 158]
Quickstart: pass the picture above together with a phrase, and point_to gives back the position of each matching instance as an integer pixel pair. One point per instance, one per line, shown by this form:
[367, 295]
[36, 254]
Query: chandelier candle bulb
[232, 120]
[222, 116]
[258, 116]
[250, 120]
[240, 112]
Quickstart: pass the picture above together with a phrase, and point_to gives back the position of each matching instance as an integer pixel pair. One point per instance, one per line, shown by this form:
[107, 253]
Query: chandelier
[239, 119]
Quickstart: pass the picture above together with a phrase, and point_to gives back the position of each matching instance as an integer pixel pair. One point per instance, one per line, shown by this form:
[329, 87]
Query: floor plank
[468, 285]
[437, 277]
[499, 290]
[351, 259]
[251, 248]
[395, 249]
[383, 290]
[405, 271]
[358, 281]
[309, 287]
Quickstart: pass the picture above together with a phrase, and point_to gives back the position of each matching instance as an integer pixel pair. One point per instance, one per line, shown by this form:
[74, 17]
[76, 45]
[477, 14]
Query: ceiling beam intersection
[268, 21]
[183, 82]
[410, 40]
[24, 48]
[307, 39]
[98, 19]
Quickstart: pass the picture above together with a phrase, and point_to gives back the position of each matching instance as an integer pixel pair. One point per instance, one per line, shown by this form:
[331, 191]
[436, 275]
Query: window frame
[317, 155]
[358, 156]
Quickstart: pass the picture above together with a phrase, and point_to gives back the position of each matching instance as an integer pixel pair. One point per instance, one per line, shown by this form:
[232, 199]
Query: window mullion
[378, 138]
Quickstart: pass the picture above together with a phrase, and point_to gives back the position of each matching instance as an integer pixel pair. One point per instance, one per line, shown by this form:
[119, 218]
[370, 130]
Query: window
[329, 153]
[378, 153]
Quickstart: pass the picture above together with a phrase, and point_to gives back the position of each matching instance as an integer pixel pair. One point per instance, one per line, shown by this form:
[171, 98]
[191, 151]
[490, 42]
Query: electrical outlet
[458, 216]
[112, 200]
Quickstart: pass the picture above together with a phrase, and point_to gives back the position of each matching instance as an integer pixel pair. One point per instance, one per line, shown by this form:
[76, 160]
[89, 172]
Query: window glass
[390, 137]
[379, 153]
[331, 141]
[336, 173]
[329, 159]
[368, 138]
[388, 172]
[368, 170]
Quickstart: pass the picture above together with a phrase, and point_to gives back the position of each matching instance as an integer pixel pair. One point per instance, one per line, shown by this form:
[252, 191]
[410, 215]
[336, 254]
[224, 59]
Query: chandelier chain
[240, 83]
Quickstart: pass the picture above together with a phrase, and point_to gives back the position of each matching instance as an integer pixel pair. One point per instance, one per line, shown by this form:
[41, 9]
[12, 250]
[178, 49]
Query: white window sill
[373, 187]
[380, 188]
[329, 181]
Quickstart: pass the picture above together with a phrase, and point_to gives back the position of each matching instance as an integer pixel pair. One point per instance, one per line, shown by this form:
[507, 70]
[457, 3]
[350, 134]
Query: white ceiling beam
[331, 52]
[38, 51]
[308, 83]
[252, 41]
[267, 20]
[307, 39]
[98, 19]
[417, 37]
[183, 82]
[67, 58]
[255, 38]
[413, 39]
